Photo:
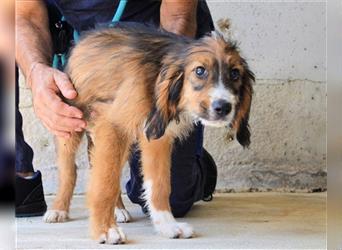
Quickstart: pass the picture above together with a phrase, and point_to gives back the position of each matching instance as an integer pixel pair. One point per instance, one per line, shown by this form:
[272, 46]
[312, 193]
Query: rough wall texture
[284, 44]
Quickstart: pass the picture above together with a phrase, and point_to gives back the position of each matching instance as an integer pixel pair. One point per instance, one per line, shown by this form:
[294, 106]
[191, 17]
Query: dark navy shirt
[87, 14]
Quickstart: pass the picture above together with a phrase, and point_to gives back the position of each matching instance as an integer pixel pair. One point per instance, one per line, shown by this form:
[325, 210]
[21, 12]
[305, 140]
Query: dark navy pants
[187, 174]
[23, 152]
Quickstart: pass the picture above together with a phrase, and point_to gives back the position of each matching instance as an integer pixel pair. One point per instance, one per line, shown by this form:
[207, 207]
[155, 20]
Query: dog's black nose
[222, 107]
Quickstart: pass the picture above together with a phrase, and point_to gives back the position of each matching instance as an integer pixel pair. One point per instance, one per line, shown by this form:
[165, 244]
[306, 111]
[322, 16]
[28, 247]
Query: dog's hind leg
[156, 161]
[108, 157]
[121, 213]
[66, 151]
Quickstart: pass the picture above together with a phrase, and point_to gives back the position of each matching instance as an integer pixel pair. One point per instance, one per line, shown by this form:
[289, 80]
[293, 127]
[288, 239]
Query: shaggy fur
[140, 85]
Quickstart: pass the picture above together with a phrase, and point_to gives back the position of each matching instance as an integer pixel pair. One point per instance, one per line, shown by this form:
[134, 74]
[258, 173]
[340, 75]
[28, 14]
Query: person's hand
[58, 117]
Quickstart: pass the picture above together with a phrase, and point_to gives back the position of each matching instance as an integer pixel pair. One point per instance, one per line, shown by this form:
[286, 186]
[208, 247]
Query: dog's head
[208, 79]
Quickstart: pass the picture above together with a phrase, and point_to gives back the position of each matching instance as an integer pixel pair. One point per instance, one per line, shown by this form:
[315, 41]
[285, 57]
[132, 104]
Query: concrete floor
[234, 220]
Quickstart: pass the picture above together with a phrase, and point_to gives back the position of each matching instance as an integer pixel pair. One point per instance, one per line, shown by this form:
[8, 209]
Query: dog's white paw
[53, 216]
[113, 236]
[175, 230]
[122, 215]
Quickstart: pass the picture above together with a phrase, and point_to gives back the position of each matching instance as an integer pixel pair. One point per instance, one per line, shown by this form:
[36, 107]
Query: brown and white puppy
[146, 86]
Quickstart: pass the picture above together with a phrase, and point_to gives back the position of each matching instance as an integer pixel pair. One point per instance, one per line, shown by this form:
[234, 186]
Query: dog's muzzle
[221, 108]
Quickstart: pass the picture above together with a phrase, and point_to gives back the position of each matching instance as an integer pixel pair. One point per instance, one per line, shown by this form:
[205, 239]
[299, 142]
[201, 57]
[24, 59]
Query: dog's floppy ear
[167, 96]
[240, 123]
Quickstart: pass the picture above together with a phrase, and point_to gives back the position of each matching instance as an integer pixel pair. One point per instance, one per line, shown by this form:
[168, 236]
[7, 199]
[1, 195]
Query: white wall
[282, 40]
[284, 43]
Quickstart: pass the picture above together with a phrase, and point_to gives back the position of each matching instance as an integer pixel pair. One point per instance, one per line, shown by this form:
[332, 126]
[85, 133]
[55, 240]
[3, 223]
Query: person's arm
[33, 55]
[179, 16]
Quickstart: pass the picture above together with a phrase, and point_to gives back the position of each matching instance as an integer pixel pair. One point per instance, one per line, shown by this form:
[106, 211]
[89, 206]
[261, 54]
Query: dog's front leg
[156, 161]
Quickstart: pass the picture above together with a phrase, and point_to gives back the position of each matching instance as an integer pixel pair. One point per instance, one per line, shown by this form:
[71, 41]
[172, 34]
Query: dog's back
[110, 63]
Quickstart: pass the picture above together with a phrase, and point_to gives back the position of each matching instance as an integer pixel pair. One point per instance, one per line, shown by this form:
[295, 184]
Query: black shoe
[211, 177]
[29, 199]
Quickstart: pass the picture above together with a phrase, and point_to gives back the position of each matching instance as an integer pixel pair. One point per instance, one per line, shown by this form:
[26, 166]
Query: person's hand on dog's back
[46, 84]
[33, 54]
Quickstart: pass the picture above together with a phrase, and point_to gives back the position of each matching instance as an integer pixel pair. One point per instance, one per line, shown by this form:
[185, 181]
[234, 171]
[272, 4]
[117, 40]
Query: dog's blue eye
[234, 74]
[200, 71]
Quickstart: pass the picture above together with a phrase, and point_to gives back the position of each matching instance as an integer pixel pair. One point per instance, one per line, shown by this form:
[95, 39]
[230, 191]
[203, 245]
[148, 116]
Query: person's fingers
[58, 133]
[54, 102]
[64, 85]
[65, 124]
[47, 93]
[59, 117]
[61, 134]
[60, 122]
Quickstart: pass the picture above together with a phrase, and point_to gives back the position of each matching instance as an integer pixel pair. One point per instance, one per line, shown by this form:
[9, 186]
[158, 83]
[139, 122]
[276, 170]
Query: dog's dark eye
[234, 74]
[201, 72]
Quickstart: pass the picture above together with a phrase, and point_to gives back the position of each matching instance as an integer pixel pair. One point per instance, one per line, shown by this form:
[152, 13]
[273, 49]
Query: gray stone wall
[284, 43]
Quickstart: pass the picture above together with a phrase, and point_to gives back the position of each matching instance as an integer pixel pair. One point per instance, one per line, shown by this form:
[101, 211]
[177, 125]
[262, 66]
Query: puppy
[140, 85]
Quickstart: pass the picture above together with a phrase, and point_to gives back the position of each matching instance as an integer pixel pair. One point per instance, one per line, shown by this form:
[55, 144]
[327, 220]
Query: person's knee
[180, 210]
